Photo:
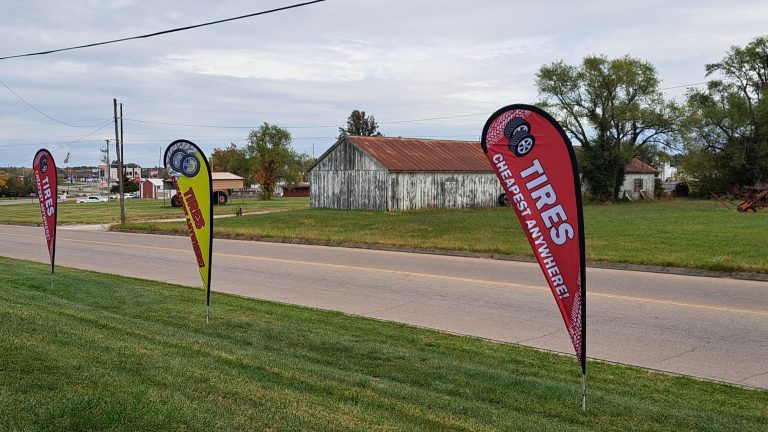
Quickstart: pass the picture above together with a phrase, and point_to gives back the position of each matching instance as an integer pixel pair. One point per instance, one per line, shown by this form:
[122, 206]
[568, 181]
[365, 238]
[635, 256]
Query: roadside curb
[760, 277]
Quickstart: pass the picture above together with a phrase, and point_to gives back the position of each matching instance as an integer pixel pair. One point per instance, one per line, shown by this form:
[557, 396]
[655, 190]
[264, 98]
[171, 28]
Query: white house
[639, 180]
[668, 172]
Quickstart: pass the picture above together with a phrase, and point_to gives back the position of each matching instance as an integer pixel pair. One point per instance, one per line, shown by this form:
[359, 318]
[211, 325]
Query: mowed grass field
[679, 233]
[88, 351]
[135, 210]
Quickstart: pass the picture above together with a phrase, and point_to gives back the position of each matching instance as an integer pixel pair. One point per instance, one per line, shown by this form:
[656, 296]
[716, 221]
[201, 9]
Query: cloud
[400, 60]
[284, 66]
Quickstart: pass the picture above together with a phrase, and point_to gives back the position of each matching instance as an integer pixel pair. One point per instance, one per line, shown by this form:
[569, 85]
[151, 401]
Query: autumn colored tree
[271, 157]
[232, 159]
[3, 183]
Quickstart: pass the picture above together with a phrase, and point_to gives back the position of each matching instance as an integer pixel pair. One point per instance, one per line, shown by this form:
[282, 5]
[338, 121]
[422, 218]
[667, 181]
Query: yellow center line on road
[426, 275]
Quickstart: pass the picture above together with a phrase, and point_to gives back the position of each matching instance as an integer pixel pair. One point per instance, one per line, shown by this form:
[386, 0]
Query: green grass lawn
[679, 233]
[135, 210]
[88, 351]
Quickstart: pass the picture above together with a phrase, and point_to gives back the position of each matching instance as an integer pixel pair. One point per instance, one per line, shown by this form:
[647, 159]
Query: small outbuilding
[395, 174]
[152, 188]
[639, 180]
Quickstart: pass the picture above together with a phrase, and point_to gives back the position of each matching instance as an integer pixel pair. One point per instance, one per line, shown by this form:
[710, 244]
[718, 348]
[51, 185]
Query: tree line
[15, 182]
[616, 111]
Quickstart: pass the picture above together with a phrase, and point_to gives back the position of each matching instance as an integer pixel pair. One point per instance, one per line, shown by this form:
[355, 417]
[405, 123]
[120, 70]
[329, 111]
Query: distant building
[152, 173]
[395, 174]
[153, 188]
[297, 190]
[639, 179]
[104, 174]
[668, 172]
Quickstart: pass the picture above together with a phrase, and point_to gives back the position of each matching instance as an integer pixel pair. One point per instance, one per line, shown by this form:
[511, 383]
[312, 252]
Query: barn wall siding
[348, 178]
[415, 190]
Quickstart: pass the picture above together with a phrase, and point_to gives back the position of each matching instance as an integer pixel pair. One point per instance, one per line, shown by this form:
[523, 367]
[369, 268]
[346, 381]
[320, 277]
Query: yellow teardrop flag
[187, 166]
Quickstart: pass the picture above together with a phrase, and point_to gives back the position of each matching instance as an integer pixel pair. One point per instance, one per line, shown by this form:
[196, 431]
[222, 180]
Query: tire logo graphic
[190, 166]
[518, 133]
[185, 163]
[44, 164]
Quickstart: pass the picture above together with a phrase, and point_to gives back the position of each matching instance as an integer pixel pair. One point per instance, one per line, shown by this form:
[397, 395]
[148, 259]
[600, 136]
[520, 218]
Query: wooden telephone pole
[119, 148]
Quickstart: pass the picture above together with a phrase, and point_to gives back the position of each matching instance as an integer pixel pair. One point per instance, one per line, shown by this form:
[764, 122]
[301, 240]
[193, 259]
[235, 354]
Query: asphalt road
[705, 327]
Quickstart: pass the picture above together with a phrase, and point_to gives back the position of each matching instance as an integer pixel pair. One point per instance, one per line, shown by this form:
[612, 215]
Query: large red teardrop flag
[536, 165]
[44, 169]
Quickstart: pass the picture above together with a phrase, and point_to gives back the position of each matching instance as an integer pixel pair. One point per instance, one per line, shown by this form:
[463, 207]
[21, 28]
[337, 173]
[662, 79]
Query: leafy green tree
[360, 124]
[15, 186]
[613, 108]
[271, 157]
[726, 133]
[128, 185]
[298, 172]
[28, 183]
[232, 159]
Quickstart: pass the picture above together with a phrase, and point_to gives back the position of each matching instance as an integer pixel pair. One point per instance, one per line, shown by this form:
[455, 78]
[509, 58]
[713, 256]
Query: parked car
[676, 189]
[130, 195]
[91, 199]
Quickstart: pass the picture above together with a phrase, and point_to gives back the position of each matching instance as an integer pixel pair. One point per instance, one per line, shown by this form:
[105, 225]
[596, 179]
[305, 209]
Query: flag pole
[583, 358]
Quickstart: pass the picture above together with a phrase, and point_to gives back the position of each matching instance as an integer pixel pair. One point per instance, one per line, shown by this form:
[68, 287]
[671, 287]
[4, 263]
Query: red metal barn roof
[412, 154]
[636, 166]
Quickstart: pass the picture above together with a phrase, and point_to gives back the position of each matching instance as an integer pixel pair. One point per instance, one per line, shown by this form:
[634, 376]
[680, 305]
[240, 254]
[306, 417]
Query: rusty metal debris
[754, 199]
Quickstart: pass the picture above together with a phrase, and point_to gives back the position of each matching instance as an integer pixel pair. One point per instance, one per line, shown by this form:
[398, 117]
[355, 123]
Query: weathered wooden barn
[383, 173]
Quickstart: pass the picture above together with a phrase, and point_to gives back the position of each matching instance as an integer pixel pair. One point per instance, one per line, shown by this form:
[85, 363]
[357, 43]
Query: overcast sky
[306, 69]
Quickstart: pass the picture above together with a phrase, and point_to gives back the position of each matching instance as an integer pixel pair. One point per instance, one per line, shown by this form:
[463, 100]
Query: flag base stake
[207, 313]
[584, 392]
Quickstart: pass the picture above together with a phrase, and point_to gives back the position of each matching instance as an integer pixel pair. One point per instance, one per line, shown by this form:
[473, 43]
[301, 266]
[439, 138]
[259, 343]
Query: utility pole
[109, 169]
[121, 162]
[120, 175]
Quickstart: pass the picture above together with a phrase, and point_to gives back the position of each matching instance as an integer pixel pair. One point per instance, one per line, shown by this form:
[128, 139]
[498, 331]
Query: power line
[60, 146]
[46, 115]
[685, 85]
[192, 125]
[437, 118]
[174, 30]
[300, 127]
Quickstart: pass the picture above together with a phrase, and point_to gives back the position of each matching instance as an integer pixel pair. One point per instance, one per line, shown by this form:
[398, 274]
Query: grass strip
[89, 351]
[677, 233]
[136, 210]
